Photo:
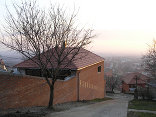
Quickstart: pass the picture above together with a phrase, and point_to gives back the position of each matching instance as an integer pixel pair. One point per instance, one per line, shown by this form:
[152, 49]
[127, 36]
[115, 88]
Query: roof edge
[89, 65]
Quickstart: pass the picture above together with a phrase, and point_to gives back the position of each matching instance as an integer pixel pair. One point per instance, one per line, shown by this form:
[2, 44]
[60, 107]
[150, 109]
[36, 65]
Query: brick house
[83, 81]
[129, 81]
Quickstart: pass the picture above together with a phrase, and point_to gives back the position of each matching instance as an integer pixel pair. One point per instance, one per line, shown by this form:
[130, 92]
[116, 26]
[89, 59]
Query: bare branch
[49, 39]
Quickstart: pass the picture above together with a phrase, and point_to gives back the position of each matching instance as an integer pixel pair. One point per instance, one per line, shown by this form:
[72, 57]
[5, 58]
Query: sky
[122, 27]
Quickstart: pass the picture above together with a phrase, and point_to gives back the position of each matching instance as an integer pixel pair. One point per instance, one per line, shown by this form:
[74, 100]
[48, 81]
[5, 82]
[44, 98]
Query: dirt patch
[23, 115]
[41, 111]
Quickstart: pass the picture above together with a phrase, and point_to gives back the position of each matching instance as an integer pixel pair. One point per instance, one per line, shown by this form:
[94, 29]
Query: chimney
[64, 43]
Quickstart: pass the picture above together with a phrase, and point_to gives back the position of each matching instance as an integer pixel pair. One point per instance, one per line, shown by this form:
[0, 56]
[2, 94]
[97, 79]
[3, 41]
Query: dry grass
[142, 105]
[140, 114]
[42, 111]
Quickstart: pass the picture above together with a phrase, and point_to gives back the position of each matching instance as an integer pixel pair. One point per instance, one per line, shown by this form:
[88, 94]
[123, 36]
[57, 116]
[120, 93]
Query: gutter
[90, 65]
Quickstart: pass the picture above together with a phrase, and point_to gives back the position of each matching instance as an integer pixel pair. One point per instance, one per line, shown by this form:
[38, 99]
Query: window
[99, 69]
[33, 72]
[132, 86]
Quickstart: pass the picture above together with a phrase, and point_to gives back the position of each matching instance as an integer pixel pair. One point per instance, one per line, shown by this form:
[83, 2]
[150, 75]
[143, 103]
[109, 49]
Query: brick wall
[65, 91]
[25, 91]
[92, 83]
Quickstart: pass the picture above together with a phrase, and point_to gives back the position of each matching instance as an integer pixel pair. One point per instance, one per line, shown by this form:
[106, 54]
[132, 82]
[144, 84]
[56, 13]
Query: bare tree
[42, 36]
[149, 60]
[112, 82]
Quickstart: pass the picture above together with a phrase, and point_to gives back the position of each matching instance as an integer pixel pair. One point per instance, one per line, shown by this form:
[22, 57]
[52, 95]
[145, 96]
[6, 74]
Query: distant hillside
[123, 65]
[10, 58]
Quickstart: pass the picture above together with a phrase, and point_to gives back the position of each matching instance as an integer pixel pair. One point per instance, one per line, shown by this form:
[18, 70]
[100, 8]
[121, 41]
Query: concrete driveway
[111, 108]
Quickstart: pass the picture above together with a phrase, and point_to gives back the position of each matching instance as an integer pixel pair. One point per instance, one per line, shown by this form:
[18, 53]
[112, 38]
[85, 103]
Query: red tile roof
[130, 78]
[83, 59]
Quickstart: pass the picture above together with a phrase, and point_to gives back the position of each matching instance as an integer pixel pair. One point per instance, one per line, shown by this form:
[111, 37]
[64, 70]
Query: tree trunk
[50, 105]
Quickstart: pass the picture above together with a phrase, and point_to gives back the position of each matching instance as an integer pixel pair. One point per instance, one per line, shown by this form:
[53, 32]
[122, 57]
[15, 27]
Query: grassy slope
[140, 114]
[142, 105]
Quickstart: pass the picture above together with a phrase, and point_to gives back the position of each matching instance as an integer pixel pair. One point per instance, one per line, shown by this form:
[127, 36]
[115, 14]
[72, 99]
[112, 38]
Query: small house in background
[2, 66]
[129, 82]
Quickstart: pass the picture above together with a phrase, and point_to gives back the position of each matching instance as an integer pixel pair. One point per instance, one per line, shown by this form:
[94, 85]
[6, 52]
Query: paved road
[111, 108]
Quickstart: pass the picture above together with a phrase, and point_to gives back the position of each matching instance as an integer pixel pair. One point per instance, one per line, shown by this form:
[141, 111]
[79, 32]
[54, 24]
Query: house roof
[130, 78]
[83, 59]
